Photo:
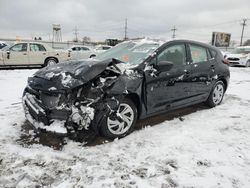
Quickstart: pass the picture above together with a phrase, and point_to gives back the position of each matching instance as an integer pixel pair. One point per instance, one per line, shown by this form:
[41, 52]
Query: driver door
[17, 55]
[168, 89]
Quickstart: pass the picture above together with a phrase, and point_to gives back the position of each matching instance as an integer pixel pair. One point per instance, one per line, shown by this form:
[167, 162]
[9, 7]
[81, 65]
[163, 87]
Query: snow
[57, 126]
[206, 148]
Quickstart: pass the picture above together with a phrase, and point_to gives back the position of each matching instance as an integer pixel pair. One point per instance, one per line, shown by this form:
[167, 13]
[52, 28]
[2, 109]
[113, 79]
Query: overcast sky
[101, 19]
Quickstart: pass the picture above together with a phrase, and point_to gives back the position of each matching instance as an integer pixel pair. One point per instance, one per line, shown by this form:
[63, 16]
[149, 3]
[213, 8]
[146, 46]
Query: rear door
[37, 53]
[202, 71]
[17, 55]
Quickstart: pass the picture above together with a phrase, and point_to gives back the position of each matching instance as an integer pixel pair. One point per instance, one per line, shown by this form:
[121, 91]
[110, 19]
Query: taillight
[225, 61]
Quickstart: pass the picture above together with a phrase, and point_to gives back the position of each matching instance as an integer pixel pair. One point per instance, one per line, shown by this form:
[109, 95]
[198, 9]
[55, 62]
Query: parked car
[78, 52]
[102, 48]
[131, 81]
[30, 54]
[240, 56]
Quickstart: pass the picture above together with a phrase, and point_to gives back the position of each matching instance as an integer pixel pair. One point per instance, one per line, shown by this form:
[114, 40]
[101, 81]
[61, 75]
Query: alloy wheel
[218, 94]
[121, 122]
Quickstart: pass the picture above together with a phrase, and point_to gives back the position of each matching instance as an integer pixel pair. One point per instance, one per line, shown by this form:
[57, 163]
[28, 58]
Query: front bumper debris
[42, 117]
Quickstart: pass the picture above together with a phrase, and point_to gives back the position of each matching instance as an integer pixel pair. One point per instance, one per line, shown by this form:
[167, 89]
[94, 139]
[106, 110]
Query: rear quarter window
[213, 53]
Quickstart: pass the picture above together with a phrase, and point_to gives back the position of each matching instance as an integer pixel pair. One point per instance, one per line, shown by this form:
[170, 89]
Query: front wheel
[121, 122]
[217, 94]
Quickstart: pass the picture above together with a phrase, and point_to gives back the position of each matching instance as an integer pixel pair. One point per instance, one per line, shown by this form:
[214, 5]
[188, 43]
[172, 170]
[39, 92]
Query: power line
[243, 27]
[174, 30]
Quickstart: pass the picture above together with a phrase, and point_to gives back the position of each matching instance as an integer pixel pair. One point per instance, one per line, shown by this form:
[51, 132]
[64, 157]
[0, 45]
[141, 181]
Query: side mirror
[8, 54]
[164, 66]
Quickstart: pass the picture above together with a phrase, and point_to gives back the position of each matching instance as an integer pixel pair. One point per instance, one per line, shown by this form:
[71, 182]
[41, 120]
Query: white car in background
[240, 56]
[81, 52]
[102, 48]
[30, 54]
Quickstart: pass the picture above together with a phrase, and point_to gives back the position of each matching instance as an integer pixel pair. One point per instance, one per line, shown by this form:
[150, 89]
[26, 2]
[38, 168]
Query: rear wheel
[120, 123]
[248, 63]
[217, 94]
[50, 61]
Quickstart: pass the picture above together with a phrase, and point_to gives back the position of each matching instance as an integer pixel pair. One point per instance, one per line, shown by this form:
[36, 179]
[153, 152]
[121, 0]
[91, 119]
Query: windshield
[241, 51]
[130, 52]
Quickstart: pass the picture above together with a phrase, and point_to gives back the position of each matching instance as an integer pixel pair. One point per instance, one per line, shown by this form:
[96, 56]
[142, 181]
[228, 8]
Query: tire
[216, 95]
[50, 61]
[114, 126]
[248, 63]
[93, 55]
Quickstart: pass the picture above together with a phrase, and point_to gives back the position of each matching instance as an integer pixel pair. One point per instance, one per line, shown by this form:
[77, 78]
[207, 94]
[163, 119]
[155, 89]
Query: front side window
[22, 47]
[36, 48]
[198, 54]
[175, 54]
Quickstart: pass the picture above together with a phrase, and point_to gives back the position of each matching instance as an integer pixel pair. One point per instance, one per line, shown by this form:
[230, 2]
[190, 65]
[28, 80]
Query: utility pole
[243, 27]
[76, 33]
[174, 29]
[126, 29]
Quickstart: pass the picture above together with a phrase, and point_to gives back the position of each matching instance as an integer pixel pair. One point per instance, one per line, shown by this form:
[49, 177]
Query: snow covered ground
[207, 148]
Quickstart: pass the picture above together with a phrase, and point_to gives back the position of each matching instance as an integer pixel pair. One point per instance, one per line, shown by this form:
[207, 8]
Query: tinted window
[76, 49]
[2, 45]
[175, 54]
[105, 47]
[198, 54]
[22, 47]
[84, 49]
[37, 47]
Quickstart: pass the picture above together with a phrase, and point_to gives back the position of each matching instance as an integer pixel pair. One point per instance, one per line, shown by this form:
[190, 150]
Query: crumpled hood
[71, 74]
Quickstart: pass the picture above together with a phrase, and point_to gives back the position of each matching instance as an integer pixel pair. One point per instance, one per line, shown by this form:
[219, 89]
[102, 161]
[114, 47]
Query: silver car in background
[240, 56]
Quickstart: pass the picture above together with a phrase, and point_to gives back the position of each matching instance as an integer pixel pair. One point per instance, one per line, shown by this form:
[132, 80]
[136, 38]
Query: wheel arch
[51, 57]
[225, 82]
[136, 100]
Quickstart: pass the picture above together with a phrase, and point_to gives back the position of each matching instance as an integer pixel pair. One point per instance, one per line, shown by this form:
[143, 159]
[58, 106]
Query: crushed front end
[63, 102]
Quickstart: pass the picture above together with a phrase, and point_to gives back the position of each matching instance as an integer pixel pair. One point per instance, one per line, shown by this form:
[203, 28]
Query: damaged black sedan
[134, 80]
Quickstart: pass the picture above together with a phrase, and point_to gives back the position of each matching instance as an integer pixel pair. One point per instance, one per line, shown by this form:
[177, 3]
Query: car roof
[194, 42]
[79, 46]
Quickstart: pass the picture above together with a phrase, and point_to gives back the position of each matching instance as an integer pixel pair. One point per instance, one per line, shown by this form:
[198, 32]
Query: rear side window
[37, 48]
[198, 53]
[84, 49]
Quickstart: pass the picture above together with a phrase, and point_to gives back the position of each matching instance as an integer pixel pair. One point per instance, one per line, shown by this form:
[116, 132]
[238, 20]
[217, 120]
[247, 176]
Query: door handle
[24, 53]
[44, 53]
[212, 66]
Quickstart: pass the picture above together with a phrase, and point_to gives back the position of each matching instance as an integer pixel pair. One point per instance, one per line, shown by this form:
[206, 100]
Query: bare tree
[86, 39]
